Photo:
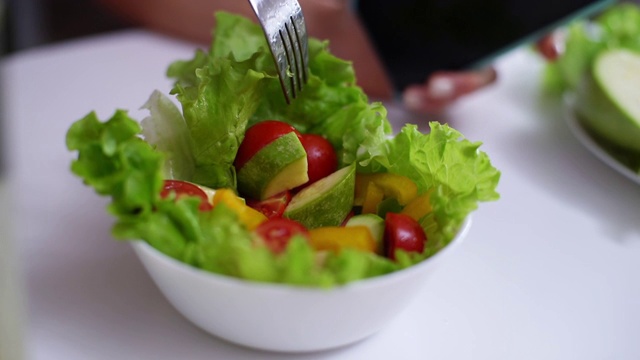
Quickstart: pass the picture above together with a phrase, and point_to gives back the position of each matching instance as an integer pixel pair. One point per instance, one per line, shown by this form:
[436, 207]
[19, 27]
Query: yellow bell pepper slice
[337, 238]
[418, 207]
[249, 216]
[373, 197]
[396, 186]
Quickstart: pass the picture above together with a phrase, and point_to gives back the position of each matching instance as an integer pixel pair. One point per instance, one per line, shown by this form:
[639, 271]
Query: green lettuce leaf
[115, 162]
[217, 111]
[456, 173]
[166, 130]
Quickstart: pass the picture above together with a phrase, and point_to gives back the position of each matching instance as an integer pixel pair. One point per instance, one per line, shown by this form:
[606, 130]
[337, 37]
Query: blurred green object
[607, 98]
[617, 27]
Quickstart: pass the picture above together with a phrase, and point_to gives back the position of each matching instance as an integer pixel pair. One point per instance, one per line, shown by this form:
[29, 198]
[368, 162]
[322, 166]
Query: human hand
[445, 87]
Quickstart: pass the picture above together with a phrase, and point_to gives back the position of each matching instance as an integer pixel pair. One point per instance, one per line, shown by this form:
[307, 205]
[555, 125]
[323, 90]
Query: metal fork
[286, 33]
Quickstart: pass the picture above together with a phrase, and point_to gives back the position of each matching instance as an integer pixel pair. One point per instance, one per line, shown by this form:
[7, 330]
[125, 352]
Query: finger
[444, 87]
[453, 84]
[416, 99]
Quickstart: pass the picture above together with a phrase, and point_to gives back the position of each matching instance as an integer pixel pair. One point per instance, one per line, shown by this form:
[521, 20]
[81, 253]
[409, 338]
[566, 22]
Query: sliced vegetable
[374, 223]
[372, 198]
[392, 185]
[184, 188]
[250, 217]
[278, 167]
[609, 99]
[260, 135]
[418, 207]
[325, 202]
[276, 233]
[272, 207]
[337, 238]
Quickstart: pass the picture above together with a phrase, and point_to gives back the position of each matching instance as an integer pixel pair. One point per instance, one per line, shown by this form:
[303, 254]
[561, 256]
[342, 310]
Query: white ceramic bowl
[286, 318]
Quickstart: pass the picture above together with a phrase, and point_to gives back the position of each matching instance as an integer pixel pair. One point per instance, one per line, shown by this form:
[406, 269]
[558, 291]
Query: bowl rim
[141, 246]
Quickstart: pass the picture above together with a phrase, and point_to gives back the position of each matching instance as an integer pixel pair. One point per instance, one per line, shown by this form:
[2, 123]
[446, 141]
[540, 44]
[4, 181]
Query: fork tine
[284, 27]
[294, 37]
[280, 47]
[292, 64]
[301, 47]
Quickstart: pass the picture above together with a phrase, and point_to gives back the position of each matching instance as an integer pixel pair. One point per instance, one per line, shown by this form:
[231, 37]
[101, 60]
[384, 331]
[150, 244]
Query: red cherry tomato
[277, 232]
[184, 188]
[321, 157]
[272, 207]
[258, 136]
[401, 232]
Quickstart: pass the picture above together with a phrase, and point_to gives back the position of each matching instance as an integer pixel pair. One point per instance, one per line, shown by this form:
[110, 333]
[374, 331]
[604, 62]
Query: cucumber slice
[279, 166]
[374, 223]
[608, 99]
[326, 202]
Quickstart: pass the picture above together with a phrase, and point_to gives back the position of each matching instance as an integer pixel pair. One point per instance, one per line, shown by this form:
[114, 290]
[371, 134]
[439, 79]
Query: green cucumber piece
[326, 202]
[608, 99]
[279, 166]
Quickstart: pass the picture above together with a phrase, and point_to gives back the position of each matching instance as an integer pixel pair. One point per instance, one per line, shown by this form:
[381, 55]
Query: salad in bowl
[300, 215]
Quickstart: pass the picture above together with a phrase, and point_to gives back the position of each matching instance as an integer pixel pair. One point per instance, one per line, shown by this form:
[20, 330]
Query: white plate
[591, 144]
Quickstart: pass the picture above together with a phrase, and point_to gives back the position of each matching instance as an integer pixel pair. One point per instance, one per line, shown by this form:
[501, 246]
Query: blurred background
[25, 24]
[30, 23]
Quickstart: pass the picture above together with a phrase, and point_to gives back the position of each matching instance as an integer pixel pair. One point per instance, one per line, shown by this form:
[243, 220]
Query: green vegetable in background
[573, 73]
[617, 27]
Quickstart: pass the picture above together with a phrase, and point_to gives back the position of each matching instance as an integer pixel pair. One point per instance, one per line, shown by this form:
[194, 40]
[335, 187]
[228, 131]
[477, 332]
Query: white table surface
[550, 271]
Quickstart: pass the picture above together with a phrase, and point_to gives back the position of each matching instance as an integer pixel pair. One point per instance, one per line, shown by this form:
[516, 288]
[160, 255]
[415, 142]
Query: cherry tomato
[277, 232]
[321, 157]
[272, 207]
[184, 188]
[258, 136]
[401, 232]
